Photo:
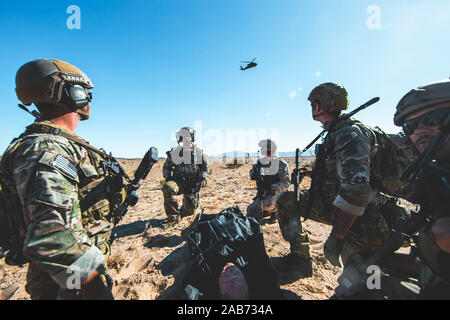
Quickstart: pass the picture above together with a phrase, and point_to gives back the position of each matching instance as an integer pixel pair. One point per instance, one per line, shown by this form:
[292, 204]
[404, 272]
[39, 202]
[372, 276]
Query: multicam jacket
[345, 177]
[65, 197]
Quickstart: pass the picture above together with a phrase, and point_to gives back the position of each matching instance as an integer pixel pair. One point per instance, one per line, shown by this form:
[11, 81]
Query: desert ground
[147, 261]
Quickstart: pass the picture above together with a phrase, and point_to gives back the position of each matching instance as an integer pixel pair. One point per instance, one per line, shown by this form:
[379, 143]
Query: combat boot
[293, 263]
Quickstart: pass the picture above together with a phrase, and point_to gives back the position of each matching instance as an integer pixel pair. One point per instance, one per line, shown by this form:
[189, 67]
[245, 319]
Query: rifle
[353, 280]
[298, 174]
[147, 162]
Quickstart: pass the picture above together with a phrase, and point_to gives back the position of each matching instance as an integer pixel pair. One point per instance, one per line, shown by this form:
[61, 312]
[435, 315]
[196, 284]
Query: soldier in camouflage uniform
[424, 114]
[341, 194]
[60, 193]
[185, 171]
[272, 177]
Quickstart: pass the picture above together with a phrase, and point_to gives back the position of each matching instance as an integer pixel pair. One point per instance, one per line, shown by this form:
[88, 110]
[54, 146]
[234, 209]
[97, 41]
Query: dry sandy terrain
[149, 263]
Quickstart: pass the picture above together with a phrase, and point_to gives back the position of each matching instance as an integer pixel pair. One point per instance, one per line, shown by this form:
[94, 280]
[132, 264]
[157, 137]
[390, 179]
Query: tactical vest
[266, 177]
[100, 192]
[186, 169]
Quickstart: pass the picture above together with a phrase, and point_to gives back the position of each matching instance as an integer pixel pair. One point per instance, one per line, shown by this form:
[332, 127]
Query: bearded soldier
[342, 194]
[424, 115]
[185, 171]
[60, 194]
[272, 177]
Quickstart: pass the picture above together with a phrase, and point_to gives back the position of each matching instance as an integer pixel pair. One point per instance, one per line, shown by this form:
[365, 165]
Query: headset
[77, 96]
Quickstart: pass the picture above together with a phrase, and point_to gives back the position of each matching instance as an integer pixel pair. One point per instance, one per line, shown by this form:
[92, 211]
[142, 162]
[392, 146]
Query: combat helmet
[332, 97]
[422, 98]
[267, 145]
[53, 83]
[183, 132]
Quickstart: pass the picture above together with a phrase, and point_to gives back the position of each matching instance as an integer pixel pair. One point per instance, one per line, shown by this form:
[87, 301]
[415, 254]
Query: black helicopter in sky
[250, 64]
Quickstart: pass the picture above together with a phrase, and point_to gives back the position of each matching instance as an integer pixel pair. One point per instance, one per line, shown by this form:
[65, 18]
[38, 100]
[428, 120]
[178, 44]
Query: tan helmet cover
[184, 132]
[332, 97]
[422, 98]
[42, 81]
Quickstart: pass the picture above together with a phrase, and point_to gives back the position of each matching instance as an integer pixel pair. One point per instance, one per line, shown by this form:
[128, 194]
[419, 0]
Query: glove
[204, 183]
[96, 289]
[332, 250]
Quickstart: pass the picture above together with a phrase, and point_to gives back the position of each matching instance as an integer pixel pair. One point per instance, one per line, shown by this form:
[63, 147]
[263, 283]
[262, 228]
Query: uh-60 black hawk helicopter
[250, 64]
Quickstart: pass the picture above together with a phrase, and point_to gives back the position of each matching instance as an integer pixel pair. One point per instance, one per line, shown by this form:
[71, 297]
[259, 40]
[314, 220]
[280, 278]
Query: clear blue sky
[159, 65]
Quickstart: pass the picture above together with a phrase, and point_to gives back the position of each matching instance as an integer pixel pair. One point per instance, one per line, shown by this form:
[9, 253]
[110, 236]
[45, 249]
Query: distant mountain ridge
[243, 154]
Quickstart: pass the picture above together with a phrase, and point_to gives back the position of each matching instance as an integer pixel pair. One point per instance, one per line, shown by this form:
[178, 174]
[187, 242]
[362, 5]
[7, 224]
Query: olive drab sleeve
[44, 171]
[353, 150]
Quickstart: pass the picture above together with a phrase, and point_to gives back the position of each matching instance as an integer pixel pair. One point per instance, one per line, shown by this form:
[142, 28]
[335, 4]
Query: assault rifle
[353, 280]
[298, 174]
[149, 159]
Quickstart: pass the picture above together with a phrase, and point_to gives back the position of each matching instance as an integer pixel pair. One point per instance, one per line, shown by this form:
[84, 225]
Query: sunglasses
[430, 119]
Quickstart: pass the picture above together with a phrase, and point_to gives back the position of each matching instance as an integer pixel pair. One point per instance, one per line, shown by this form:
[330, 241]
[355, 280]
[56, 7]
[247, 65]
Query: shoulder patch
[65, 166]
[60, 163]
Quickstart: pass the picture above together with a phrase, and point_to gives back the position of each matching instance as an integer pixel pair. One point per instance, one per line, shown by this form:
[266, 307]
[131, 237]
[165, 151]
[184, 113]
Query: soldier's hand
[94, 288]
[332, 250]
[204, 183]
[294, 175]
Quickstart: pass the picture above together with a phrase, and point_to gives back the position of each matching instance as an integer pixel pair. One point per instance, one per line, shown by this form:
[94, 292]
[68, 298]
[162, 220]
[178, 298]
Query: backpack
[228, 236]
[12, 229]
[394, 153]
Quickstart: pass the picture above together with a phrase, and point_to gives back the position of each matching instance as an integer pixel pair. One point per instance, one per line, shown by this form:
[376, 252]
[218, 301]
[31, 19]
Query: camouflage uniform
[429, 185]
[272, 176]
[66, 199]
[343, 182]
[183, 169]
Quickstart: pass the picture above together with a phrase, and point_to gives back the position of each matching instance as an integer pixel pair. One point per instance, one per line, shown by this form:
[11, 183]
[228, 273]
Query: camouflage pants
[268, 208]
[190, 201]
[367, 233]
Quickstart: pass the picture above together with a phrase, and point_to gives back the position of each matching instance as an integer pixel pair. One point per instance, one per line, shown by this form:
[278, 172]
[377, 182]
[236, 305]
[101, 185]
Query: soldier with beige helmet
[344, 192]
[185, 171]
[59, 192]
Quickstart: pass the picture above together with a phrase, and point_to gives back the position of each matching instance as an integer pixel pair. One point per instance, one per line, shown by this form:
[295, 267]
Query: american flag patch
[65, 166]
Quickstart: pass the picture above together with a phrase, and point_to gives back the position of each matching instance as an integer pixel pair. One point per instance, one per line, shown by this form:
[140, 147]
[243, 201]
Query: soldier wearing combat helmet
[59, 193]
[185, 171]
[272, 177]
[424, 114]
[342, 193]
